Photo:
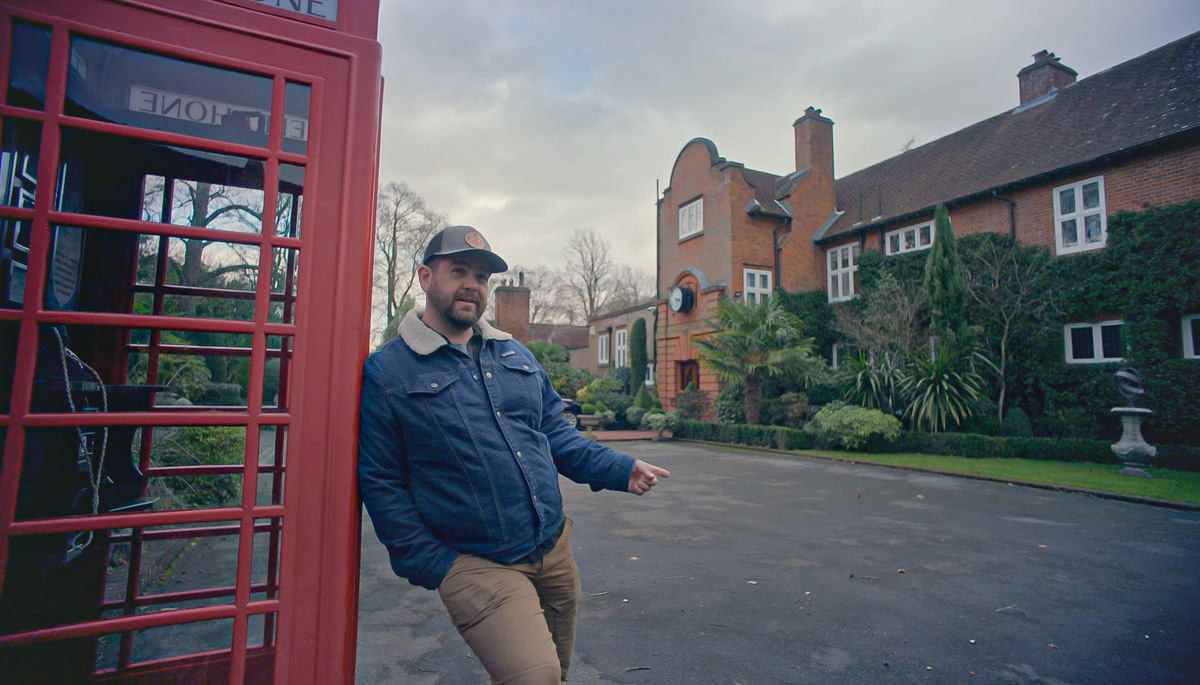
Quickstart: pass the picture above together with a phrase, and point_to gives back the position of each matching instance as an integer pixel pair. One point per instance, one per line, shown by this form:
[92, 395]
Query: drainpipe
[1012, 216]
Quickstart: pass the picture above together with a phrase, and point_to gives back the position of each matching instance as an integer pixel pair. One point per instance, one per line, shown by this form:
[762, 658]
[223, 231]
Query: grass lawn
[1166, 484]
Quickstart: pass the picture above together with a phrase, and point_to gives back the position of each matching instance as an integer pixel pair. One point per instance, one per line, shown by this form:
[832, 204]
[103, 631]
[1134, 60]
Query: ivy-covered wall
[1149, 277]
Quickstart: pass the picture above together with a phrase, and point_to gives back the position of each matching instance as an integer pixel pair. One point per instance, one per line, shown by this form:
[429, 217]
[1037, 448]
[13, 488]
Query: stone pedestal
[1132, 449]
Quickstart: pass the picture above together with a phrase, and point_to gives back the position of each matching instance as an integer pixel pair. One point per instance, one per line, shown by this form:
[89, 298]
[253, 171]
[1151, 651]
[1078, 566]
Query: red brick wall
[512, 311]
[1166, 179]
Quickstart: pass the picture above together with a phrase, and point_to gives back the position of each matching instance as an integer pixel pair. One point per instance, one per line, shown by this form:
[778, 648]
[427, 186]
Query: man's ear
[425, 276]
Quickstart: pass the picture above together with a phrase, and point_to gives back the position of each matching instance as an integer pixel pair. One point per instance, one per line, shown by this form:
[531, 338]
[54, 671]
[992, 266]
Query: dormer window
[909, 238]
[1080, 221]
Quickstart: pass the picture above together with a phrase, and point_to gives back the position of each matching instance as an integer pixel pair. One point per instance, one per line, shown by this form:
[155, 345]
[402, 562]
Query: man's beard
[459, 319]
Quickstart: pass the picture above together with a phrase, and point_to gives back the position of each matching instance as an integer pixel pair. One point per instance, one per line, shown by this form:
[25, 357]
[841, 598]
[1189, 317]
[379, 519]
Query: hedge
[956, 444]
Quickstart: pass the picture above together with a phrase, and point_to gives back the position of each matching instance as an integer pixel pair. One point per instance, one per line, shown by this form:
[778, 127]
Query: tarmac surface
[748, 567]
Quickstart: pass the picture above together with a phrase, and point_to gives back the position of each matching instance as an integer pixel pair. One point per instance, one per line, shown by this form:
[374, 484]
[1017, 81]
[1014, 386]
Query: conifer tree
[945, 278]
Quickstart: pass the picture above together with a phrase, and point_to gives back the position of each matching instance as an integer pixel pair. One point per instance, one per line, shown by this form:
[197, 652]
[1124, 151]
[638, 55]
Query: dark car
[571, 412]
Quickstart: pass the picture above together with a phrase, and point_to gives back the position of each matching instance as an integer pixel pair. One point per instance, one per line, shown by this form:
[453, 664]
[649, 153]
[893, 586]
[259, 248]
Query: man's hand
[645, 476]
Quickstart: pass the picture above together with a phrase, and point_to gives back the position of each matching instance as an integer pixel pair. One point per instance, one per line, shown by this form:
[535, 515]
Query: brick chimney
[812, 202]
[814, 143]
[512, 308]
[1044, 75]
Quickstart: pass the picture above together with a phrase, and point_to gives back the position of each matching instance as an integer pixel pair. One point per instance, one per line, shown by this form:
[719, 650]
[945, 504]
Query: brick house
[608, 339]
[511, 301]
[1050, 172]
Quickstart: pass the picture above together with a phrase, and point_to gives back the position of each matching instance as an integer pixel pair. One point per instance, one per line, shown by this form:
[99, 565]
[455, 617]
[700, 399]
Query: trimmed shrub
[693, 404]
[1016, 424]
[634, 414]
[588, 408]
[844, 425]
[656, 422]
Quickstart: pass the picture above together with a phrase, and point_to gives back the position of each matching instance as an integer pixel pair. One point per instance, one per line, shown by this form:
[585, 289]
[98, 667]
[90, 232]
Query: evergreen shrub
[851, 427]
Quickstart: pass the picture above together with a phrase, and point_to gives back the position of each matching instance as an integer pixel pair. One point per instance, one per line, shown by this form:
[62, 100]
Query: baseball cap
[461, 240]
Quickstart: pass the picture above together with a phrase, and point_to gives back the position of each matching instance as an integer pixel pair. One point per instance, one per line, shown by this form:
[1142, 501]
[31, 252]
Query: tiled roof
[1145, 100]
[567, 336]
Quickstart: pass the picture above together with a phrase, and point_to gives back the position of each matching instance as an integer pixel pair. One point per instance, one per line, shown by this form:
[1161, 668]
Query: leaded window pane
[1066, 201]
[1091, 195]
[926, 237]
[910, 239]
[1091, 228]
[846, 283]
[1110, 341]
[833, 286]
[1082, 345]
[894, 243]
[1070, 233]
[764, 281]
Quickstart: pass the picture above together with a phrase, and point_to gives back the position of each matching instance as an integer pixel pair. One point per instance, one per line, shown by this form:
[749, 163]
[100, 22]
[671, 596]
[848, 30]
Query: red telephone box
[186, 209]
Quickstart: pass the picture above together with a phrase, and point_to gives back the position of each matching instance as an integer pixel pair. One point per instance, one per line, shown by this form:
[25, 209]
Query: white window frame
[752, 289]
[916, 232]
[1097, 342]
[650, 375]
[691, 218]
[602, 348]
[621, 356]
[835, 356]
[1079, 216]
[839, 276]
[1191, 346]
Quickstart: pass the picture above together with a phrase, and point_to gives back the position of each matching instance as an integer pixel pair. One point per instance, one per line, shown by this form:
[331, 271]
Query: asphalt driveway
[752, 568]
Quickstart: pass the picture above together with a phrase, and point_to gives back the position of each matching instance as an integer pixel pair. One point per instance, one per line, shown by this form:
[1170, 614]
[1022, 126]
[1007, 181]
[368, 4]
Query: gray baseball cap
[462, 240]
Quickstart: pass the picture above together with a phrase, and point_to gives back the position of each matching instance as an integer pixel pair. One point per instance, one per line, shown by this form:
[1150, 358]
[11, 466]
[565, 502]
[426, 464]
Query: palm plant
[752, 341]
[943, 388]
[873, 380]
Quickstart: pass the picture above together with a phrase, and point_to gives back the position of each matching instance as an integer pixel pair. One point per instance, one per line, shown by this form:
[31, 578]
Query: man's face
[456, 287]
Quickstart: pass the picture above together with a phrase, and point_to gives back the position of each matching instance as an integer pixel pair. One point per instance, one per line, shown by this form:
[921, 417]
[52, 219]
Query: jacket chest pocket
[428, 402]
[520, 387]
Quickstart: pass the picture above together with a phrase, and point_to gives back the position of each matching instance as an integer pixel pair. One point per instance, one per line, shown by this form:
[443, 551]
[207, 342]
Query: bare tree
[1009, 288]
[890, 325]
[403, 225]
[630, 286]
[588, 272]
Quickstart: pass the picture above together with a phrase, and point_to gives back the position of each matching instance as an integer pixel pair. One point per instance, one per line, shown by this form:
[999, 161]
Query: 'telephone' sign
[321, 9]
[198, 110]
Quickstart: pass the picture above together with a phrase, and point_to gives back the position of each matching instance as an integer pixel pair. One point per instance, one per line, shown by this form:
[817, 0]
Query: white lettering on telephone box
[199, 110]
[321, 9]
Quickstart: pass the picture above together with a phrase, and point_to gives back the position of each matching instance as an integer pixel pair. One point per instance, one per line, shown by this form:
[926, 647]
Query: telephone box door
[186, 212]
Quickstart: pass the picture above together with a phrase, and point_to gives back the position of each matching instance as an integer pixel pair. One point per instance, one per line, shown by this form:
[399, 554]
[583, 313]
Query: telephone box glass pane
[30, 65]
[125, 178]
[297, 97]
[112, 83]
[290, 200]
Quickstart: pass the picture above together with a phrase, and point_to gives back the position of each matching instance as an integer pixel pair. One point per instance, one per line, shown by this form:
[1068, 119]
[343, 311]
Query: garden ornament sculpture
[1132, 449]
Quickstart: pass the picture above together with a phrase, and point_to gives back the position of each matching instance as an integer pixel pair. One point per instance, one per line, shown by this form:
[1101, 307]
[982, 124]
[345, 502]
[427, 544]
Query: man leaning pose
[461, 443]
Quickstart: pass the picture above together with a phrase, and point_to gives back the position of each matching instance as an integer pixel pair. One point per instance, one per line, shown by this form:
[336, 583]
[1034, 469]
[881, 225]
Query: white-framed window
[650, 375]
[602, 348]
[1080, 221]
[1093, 343]
[1191, 336]
[909, 238]
[621, 354]
[835, 356]
[691, 218]
[843, 262]
[757, 285]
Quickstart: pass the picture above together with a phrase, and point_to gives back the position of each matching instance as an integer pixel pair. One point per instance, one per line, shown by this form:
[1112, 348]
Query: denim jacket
[456, 457]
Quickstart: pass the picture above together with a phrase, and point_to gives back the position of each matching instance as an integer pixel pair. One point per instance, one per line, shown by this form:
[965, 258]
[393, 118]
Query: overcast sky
[529, 119]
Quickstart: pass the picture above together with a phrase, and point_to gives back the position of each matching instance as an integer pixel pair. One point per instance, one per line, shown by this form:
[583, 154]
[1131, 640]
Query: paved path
[750, 568]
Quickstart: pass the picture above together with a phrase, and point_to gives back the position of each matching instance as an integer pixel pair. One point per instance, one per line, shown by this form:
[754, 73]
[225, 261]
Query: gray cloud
[530, 119]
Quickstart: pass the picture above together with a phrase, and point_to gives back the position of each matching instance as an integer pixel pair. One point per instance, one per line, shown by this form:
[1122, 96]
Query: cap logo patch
[475, 240]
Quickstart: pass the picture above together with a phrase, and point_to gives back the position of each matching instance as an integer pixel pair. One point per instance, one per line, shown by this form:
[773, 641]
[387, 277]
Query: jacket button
[497, 414]
[488, 374]
[475, 376]
[433, 385]
[518, 454]
[526, 367]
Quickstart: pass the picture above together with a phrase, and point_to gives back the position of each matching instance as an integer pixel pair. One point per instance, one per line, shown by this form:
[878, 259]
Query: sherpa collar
[423, 340]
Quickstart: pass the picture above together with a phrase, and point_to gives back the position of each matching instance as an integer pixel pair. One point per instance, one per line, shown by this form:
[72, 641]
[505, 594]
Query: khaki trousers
[519, 619]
